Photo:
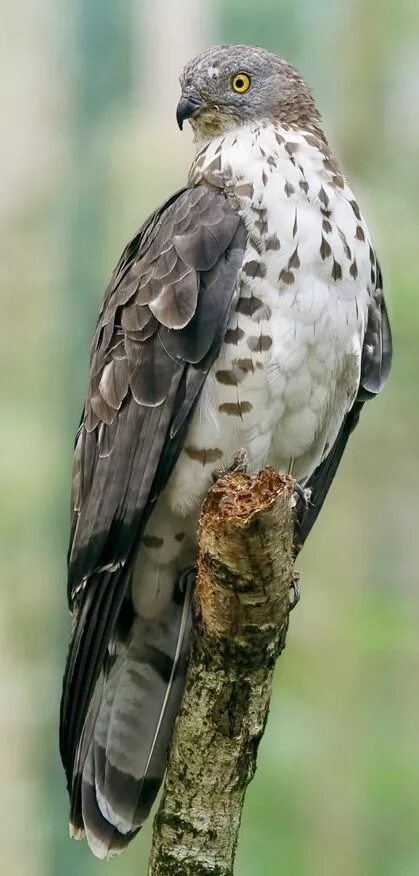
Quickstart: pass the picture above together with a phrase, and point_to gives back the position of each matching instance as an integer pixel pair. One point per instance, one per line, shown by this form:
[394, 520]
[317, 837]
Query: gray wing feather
[159, 330]
[377, 349]
[375, 369]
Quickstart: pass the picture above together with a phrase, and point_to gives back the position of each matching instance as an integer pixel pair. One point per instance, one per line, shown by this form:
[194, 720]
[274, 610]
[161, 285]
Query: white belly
[281, 392]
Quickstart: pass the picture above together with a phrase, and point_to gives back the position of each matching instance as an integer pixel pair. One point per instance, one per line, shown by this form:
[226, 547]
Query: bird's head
[232, 85]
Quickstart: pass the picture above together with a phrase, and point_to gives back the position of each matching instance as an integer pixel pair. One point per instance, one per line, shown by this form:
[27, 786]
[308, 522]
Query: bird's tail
[122, 753]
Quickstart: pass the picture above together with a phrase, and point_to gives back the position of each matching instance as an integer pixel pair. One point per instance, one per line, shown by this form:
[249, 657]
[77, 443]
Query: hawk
[247, 312]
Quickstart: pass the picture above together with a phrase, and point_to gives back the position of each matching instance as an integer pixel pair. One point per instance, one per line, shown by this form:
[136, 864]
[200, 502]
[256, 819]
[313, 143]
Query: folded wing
[160, 328]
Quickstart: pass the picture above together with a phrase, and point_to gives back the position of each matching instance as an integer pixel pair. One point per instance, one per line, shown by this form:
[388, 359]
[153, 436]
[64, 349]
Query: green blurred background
[88, 91]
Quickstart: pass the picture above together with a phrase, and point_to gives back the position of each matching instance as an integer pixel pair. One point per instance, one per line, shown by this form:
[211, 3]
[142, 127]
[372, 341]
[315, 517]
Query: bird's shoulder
[154, 292]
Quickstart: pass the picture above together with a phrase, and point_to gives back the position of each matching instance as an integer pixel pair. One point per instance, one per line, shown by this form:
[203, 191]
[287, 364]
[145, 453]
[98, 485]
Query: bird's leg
[302, 502]
[294, 590]
[303, 496]
[186, 579]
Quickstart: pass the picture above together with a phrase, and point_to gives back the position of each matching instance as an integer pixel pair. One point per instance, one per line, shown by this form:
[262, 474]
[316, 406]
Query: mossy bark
[244, 572]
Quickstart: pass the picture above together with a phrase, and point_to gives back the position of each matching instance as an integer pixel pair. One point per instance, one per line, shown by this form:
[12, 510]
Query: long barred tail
[122, 752]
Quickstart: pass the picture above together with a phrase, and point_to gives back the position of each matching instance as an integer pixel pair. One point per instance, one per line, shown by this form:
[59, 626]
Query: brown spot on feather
[323, 197]
[294, 261]
[235, 409]
[254, 269]
[244, 364]
[325, 249]
[353, 270]
[336, 270]
[356, 210]
[153, 541]
[229, 377]
[204, 455]
[287, 277]
[260, 343]
[233, 336]
[346, 247]
[272, 242]
[249, 306]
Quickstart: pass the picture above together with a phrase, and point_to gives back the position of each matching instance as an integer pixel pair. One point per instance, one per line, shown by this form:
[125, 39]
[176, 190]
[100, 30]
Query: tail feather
[104, 839]
[76, 820]
[122, 753]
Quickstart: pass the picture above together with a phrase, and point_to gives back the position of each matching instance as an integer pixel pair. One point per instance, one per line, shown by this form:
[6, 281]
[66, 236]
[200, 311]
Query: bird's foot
[238, 466]
[302, 497]
[294, 591]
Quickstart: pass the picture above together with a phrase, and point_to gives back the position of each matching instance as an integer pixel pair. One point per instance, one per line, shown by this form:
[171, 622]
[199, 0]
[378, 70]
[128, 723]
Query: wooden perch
[242, 602]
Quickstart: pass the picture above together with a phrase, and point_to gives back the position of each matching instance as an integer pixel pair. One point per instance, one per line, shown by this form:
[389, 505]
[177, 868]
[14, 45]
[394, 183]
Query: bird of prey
[247, 312]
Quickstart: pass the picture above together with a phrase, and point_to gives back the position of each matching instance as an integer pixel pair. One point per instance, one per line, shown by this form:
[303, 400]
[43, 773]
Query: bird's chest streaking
[289, 367]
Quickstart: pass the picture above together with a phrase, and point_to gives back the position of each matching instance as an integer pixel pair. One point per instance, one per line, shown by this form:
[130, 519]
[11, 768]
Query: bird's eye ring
[240, 83]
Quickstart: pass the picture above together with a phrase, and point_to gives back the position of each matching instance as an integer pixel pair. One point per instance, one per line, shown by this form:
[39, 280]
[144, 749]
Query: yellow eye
[240, 83]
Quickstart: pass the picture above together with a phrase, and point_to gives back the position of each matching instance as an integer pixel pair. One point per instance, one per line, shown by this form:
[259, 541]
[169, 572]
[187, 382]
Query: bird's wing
[160, 328]
[375, 368]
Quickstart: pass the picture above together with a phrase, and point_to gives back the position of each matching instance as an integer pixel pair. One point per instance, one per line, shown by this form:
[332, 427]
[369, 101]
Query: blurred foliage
[337, 787]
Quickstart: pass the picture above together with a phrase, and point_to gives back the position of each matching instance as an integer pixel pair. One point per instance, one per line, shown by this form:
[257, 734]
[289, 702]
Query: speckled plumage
[247, 312]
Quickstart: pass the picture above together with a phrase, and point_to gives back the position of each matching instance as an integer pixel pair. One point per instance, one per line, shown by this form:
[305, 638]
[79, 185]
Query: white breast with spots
[289, 368]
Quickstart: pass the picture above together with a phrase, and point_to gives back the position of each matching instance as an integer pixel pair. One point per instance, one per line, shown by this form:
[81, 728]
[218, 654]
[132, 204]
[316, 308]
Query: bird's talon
[302, 495]
[238, 466]
[240, 462]
[186, 579]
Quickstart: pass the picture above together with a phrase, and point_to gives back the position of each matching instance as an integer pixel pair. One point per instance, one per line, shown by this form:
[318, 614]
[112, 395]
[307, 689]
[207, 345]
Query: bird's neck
[245, 150]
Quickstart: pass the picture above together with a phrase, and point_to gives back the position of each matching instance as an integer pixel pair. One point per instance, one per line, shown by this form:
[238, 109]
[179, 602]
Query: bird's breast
[289, 366]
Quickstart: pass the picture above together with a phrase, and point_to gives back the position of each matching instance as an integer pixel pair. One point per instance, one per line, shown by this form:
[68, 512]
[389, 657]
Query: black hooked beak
[186, 108]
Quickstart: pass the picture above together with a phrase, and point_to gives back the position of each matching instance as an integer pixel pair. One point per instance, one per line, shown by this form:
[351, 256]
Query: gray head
[227, 86]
